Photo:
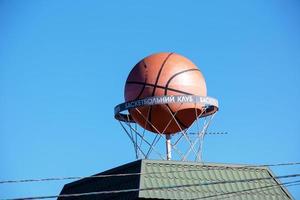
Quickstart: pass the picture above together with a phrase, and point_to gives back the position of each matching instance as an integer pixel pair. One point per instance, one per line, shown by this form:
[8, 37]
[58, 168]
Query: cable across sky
[287, 184]
[134, 174]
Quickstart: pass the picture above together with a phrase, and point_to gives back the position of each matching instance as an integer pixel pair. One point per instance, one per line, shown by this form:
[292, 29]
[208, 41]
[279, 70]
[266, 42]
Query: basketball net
[185, 145]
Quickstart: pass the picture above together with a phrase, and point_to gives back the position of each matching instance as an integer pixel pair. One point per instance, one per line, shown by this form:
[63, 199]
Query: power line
[248, 191]
[167, 187]
[136, 174]
[279, 164]
[209, 133]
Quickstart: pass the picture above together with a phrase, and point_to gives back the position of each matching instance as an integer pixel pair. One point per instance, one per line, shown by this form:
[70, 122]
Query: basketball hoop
[166, 97]
[182, 144]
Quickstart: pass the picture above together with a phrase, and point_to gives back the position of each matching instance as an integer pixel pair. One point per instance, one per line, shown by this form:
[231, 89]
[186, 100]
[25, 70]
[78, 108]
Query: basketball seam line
[159, 72]
[141, 92]
[155, 85]
[152, 128]
[158, 86]
[166, 90]
[172, 77]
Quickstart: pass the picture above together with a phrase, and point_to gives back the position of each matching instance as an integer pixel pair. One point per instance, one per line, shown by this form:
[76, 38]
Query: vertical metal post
[168, 146]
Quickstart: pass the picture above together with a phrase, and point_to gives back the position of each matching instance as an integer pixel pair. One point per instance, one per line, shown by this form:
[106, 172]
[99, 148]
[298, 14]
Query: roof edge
[109, 171]
[282, 187]
[213, 164]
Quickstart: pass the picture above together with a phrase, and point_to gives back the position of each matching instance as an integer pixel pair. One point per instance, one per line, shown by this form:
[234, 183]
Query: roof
[183, 180]
[195, 180]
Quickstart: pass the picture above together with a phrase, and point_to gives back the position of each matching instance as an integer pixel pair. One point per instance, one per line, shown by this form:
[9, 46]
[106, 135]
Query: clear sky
[63, 65]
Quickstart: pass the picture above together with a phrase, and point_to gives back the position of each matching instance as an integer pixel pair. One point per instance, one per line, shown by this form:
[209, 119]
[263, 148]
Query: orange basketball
[165, 74]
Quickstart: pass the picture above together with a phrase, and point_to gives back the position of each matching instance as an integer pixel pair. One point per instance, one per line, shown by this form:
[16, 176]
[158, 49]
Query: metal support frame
[180, 146]
[168, 147]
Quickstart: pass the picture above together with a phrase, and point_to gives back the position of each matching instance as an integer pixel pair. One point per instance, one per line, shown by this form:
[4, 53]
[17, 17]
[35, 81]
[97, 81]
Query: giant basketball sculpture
[165, 74]
[165, 93]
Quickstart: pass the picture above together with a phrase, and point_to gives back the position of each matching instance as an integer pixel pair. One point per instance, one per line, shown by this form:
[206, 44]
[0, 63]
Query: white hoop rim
[210, 104]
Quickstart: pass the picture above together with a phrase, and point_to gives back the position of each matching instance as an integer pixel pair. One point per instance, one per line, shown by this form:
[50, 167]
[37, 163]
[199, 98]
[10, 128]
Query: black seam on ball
[172, 77]
[159, 72]
[141, 92]
[158, 86]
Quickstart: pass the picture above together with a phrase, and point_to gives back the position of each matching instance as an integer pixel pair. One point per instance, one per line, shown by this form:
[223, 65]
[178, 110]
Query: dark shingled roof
[182, 180]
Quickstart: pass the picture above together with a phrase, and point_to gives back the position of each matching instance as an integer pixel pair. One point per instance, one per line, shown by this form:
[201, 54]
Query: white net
[185, 145]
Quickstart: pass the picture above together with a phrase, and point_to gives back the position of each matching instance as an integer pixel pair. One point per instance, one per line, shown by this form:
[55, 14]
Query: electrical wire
[248, 191]
[136, 174]
[139, 173]
[165, 188]
[279, 164]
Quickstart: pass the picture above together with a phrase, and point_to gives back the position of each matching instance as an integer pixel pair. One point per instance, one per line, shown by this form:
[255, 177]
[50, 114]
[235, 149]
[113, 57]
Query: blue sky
[63, 65]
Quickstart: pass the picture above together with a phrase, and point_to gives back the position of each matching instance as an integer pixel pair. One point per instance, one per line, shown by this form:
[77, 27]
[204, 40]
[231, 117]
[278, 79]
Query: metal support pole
[168, 146]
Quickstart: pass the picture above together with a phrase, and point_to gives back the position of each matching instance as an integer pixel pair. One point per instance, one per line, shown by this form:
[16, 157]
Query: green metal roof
[183, 180]
[208, 181]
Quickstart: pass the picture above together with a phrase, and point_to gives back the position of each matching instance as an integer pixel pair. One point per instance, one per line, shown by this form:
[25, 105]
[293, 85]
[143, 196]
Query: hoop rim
[211, 104]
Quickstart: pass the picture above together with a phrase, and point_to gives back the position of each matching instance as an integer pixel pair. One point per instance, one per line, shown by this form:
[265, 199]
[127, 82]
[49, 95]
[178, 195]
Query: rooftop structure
[153, 179]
